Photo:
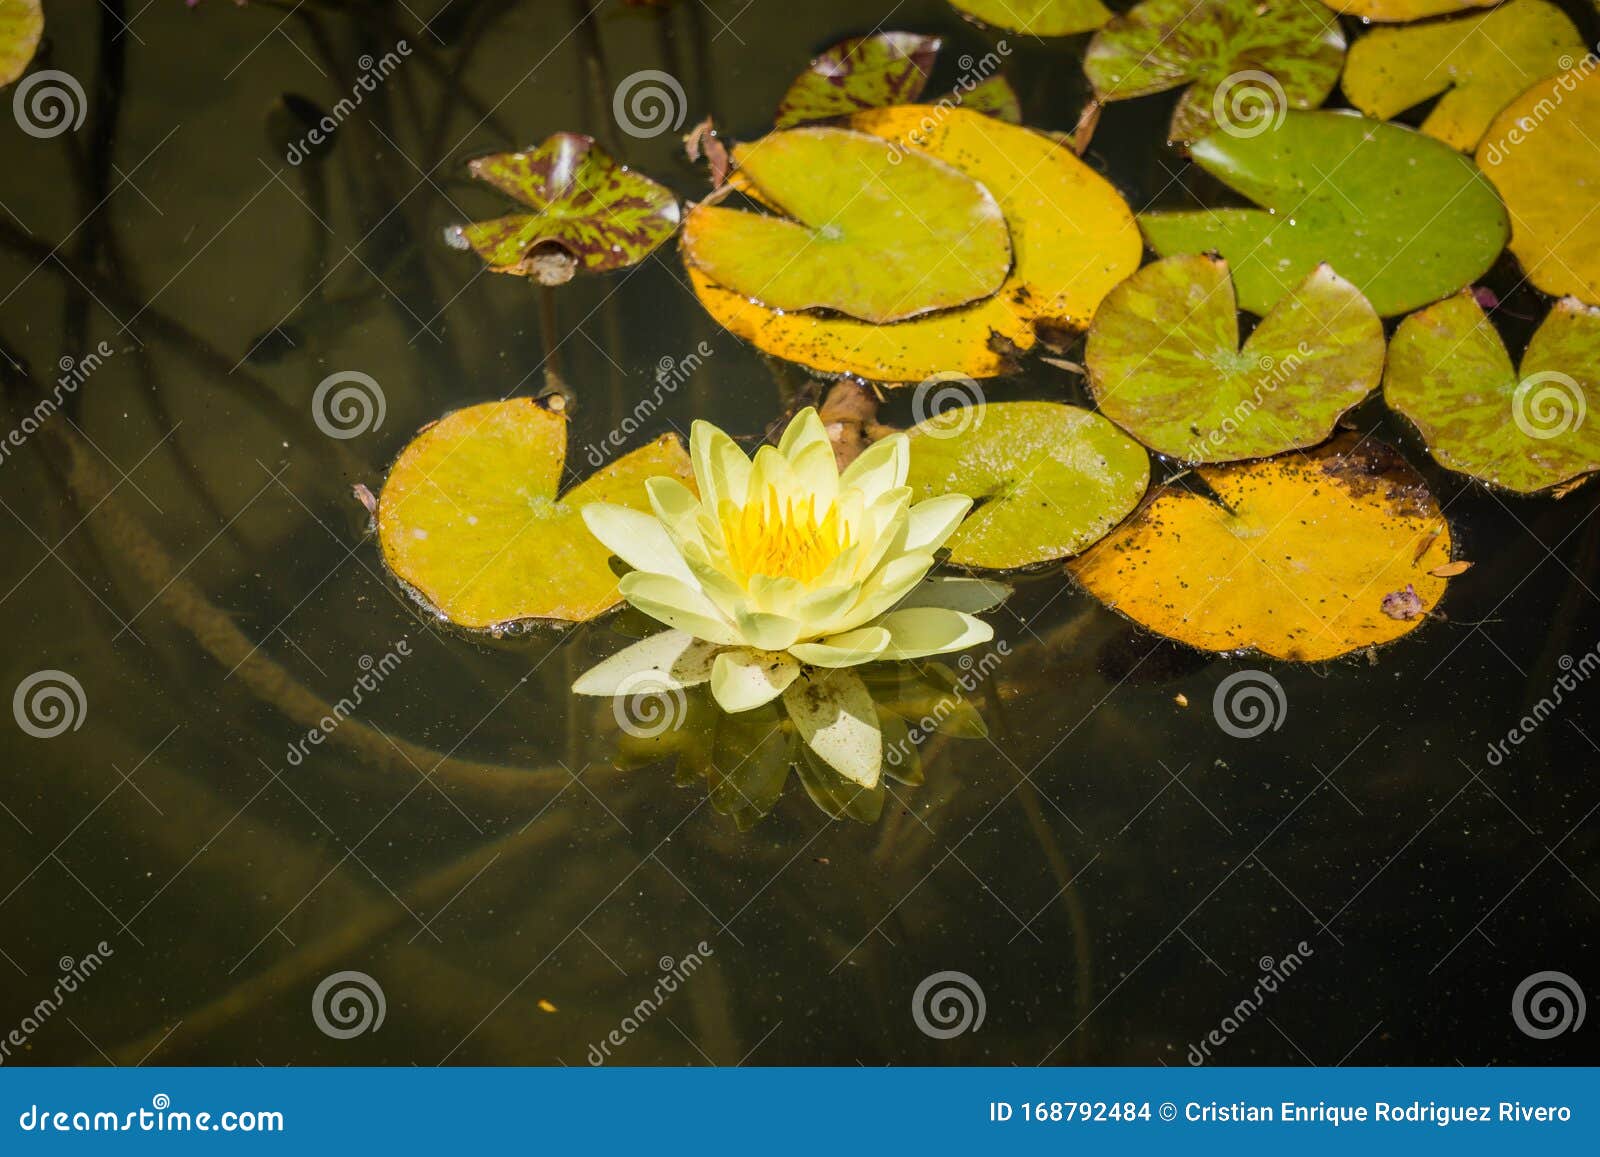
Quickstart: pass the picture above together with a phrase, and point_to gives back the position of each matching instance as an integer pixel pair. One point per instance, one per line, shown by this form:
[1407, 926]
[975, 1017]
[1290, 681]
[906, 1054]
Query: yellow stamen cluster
[782, 539]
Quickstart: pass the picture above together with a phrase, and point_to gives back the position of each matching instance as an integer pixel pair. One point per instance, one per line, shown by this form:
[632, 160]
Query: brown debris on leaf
[1404, 605]
[703, 141]
[1451, 569]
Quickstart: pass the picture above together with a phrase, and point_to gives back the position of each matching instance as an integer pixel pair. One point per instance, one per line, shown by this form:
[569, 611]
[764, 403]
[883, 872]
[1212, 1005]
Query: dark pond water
[1110, 868]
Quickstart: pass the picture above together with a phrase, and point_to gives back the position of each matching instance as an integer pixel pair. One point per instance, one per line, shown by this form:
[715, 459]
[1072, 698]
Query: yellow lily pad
[1404, 11]
[1479, 62]
[21, 25]
[1037, 17]
[1297, 560]
[1527, 429]
[1073, 236]
[1046, 480]
[470, 517]
[866, 230]
[1541, 154]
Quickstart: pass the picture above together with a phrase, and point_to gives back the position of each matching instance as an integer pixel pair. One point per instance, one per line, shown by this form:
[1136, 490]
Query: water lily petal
[720, 467]
[888, 585]
[804, 429]
[919, 631]
[815, 472]
[743, 679]
[956, 594]
[679, 605]
[677, 507]
[819, 610]
[881, 466]
[834, 714]
[765, 631]
[849, 649]
[677, 658]
[932, 521]
[637, 538]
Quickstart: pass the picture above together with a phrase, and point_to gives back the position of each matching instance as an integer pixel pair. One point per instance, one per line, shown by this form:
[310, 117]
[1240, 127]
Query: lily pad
[471, 520]
[1046, 480]
[1449, 373]
[1291, 556]
[1541, 154]
[1405, 217]
[1165, 364]
[862, 72]
[1037, 17]
[1072, 234]
[873, 234]
[993, 96]
[21, 25]
[1479, 62]
[588, 212]
[1245, 61]
[1404, 11]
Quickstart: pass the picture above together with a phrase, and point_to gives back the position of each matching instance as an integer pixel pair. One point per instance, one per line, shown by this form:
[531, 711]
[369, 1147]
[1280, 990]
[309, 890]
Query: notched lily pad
[1165, 364]
[1526, 430]
[470, 517]
[1072, 234]
[1244, 61]
[589, 212]
[21, 25]
[1046, 480]
[1037, 17]
[1406, 218]
[870, 233]
[862, 72]
[1541, 154]
[1479, 62]
[1290, 556]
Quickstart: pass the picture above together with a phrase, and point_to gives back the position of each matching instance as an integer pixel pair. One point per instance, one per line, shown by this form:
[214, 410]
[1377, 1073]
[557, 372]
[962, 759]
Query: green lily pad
[1245, 61]
[1037, 17]
[21, 25]
[873, 233]
[1403, 11]
[1405, 217]
[862, 72]
[1165, 364]
[1479, 62]
[589, 212]
[471, 521]
[993, 96]
[1527, 431]
[1047, 480]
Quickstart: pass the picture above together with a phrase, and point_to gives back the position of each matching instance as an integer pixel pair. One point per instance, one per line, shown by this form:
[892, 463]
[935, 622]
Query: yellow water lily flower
[783, 573]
